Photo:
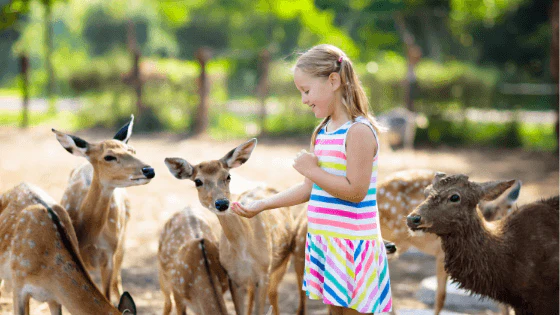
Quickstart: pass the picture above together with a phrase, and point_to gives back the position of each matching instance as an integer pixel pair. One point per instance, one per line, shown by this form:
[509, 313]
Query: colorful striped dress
[345, 258]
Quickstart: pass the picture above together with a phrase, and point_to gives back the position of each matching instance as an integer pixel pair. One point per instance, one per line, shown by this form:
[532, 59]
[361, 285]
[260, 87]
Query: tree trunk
[262, 87]
[200, 123]
[24, 64]
[48, 57]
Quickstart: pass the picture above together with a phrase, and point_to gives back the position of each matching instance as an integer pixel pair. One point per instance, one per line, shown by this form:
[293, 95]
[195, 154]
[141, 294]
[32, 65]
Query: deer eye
[454, 198]
[198, 182]
[109, 158]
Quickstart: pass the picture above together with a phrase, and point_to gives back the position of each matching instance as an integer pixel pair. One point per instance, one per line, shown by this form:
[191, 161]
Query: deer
[397, 194]
[513, 260]
[39, 255]
[254, 252]
[189, 265]
[97, 202]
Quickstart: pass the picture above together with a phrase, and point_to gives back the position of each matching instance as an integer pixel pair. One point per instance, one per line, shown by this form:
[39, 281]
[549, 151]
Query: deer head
[113, 160]
[451, 203]
[212, 178]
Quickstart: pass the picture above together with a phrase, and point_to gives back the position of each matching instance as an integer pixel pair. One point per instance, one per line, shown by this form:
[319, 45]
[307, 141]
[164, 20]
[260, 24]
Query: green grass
[63, 120]
[10, 92]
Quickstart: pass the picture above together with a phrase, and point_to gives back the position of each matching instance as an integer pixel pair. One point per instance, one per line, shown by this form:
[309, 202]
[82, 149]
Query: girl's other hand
[305, 161]
[249, 210]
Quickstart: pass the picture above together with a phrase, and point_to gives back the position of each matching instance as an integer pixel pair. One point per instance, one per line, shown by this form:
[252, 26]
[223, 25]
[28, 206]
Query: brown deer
[98, 204]
[397, 195]
[513, 260]
[254, 252]
[39, 254]
[189, 265]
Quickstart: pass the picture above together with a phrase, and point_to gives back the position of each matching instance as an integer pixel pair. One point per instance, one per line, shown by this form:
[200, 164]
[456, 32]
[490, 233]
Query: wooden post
[24, 66]
[136, 79]
[48, 56]
[262, 86]
[413, 55]
[200, 123]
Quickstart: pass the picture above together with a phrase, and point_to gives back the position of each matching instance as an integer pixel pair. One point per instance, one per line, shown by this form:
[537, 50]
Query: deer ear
[126, 304]
[492, 190]
[179, 168]
[239, 155]
[514, 192]
[125, 132]
[72, 144]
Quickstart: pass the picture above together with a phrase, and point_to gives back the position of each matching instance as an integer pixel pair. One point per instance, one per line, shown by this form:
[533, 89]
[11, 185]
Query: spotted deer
[396, 196]
[255, 252]
[189, 266]
[39, 255]
[97, 202]
[513, 260]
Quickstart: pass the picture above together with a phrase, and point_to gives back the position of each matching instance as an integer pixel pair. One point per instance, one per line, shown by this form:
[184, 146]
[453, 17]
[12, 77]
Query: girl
[345, 260]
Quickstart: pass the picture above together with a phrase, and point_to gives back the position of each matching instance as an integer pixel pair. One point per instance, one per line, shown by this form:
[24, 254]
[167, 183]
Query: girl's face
[319, 93]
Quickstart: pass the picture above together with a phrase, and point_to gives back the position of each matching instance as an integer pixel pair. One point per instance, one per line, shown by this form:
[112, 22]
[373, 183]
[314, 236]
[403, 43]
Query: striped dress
[345, 258]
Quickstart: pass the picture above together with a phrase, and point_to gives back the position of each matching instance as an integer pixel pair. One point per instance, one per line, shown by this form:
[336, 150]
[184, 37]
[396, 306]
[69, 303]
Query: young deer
[397, 195]
[39, 252]
[513, 260]
[255, 252]
[189, 265]
[98, 204]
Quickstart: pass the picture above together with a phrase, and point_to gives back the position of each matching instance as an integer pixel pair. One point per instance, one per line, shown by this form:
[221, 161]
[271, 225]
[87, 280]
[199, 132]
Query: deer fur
[189, 265]
[255, 252]
[97, 202]
[513, 260]
[39, 249]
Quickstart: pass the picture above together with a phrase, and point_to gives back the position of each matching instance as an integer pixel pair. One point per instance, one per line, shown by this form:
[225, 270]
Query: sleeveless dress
[345, 258]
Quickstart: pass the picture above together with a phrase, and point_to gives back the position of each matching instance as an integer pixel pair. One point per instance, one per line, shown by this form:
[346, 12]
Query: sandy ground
[36, 157]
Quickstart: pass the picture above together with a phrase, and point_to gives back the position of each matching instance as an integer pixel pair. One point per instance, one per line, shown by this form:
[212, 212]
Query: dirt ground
[35, 156]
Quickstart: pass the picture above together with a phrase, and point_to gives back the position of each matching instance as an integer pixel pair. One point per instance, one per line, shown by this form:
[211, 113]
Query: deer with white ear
[255, 252]
[97, 202]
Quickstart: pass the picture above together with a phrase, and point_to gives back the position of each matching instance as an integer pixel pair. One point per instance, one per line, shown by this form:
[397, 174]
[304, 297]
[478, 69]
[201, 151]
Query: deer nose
[222, 204]
[390, 248]
[148, 172]
[413, 220]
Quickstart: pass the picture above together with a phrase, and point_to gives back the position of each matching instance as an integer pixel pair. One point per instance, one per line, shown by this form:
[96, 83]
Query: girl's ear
[334, 80]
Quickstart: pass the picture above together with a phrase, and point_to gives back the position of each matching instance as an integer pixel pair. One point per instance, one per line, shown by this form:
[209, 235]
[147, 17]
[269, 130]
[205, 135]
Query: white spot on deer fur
[393, 210]
[182, 280]
[31, 244]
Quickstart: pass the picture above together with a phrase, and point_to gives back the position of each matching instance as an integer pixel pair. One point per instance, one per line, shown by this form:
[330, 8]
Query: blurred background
[476, 72]
[463, 86]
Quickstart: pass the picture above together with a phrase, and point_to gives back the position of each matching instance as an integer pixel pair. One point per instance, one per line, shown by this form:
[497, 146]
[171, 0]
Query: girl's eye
[198, 182]
[454, 198]
[109, 158]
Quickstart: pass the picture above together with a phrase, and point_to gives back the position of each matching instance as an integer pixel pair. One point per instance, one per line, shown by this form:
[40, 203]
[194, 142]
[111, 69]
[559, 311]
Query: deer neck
[90, 301]
[476, 255]
[235, 227]
[94, 212]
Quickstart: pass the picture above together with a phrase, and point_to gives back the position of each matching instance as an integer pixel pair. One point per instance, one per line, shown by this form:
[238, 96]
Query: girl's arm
[361, 147]
[290, 197]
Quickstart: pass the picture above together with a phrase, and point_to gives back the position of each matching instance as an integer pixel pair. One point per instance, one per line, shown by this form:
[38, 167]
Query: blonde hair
[321, 61]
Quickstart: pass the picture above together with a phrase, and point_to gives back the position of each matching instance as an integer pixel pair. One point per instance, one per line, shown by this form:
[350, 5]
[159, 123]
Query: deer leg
[116, 281]
[179, 304]
[299, 266]
[21, 301]
[166, 295]
[261, 289]
[55, 308]
[441, 283]
[238, 295]
[250, 299]
[107, 278]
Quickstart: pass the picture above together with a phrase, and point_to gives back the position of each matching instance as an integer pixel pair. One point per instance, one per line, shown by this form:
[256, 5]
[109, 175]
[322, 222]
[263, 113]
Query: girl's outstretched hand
[249, 210]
